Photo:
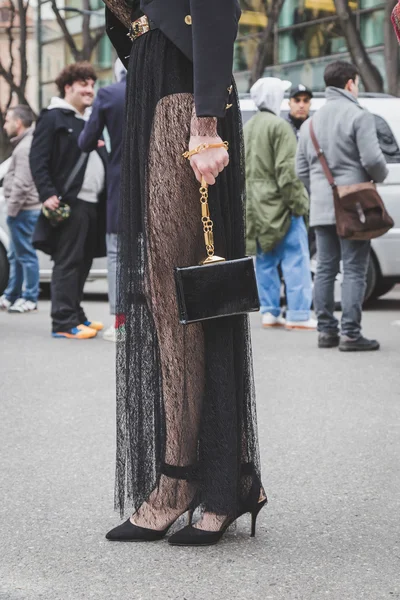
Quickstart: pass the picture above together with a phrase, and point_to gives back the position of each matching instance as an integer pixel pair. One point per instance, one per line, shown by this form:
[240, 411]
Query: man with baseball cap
[300, 103]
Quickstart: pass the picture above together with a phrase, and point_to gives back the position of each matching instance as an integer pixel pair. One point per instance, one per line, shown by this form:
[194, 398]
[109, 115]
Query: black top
[202, 31]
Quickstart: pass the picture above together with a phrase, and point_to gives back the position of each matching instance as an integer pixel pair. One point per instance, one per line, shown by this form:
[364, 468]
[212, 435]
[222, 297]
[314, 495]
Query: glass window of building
[307, 37]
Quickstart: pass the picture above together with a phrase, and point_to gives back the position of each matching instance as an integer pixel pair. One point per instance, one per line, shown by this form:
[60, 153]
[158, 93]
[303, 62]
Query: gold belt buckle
[138, 28]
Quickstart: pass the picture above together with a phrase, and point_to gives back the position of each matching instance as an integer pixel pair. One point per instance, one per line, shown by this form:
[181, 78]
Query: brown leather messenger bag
[360, 211]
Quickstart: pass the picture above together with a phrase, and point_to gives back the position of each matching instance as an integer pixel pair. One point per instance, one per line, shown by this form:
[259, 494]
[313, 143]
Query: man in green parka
[277, 203]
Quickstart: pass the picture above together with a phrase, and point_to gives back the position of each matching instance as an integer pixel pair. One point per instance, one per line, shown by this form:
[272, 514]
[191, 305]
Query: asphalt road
[330, 445]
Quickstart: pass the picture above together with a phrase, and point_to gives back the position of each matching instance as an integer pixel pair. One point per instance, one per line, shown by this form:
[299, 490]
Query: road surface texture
[329, 428]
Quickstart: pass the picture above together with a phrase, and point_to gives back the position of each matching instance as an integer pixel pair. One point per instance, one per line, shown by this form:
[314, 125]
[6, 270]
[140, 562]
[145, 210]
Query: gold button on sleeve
[188, 20]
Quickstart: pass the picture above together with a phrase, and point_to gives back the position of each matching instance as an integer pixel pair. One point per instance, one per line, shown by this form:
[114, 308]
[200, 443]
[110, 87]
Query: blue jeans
[112, 256]
[293, 255]
[24, 265]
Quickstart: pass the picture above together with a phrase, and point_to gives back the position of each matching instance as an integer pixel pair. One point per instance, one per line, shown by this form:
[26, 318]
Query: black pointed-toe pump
[128, 532]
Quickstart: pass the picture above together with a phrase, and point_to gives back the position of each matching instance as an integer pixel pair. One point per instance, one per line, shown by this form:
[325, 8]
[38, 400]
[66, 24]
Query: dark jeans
[24, 265]
[72, 262]
[355, 256]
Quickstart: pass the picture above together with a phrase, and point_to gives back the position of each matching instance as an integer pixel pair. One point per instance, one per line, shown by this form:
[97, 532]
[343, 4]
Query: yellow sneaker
[76, 333]
[96, 325]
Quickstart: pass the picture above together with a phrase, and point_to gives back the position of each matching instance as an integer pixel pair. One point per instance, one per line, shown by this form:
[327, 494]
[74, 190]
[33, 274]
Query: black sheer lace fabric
[186, 422]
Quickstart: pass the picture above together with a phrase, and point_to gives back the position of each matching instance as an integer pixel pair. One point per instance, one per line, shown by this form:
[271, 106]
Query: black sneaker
[361, 344]
[328, 340]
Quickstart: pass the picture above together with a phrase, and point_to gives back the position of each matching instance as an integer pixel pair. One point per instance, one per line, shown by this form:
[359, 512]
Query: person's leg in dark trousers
[86, 265]
[70, 263]
[328, 266]
[355, 257]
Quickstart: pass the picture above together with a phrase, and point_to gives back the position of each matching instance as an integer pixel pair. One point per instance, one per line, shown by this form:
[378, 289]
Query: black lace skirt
[185, 394]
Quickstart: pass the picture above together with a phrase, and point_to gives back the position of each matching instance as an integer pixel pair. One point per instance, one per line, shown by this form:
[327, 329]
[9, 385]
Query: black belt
[140, 27]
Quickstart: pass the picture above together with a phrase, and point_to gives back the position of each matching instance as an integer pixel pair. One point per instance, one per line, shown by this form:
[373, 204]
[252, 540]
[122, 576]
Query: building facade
[307, 37]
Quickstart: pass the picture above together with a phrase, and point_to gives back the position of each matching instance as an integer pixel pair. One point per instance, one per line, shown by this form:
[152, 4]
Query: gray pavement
[330, 445]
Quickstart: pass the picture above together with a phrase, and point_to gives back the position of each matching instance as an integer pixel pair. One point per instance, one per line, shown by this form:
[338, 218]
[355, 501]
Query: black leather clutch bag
[217, 287]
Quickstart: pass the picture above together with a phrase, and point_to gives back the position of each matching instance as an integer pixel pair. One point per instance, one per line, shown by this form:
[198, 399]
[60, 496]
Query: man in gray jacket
[23, 209]
[347, 134]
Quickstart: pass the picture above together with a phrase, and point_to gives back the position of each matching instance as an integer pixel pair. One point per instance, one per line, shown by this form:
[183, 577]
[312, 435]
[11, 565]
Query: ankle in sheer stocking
[171, 499]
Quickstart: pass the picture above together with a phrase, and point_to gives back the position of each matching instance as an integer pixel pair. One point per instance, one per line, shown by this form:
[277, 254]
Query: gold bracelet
[202, 147]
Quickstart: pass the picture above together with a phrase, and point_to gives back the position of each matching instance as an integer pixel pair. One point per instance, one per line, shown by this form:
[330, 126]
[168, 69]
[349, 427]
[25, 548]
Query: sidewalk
[330, 447]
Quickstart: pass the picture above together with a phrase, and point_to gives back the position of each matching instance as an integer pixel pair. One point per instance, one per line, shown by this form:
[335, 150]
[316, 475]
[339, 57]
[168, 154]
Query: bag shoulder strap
[74, 173]
[322, 157]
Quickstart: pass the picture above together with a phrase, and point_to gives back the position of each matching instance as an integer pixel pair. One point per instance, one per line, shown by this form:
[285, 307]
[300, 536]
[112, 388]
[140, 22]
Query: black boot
[360, 344]
[328, 340]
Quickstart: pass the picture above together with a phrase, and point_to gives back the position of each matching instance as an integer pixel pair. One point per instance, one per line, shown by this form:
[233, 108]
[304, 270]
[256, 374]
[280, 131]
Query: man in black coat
[75, 242]
[108, 110]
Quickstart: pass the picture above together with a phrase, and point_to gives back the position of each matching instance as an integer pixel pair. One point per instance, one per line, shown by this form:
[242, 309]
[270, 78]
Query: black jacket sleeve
[88, 139]
[40, 156]
[214, 30]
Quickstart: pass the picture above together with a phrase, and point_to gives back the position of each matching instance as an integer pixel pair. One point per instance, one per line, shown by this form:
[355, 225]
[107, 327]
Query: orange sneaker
[77, 333]
[96, 325]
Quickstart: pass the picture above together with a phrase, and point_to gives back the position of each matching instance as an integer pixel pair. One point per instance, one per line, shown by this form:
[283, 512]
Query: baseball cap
[300, 89]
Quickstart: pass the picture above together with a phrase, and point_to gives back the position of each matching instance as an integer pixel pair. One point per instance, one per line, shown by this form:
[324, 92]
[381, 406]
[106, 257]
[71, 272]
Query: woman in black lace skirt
[186, 424]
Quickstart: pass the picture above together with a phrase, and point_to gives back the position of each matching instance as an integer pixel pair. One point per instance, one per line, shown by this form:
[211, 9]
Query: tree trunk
[86, 34]
[23, 37]
[265, 50]
[5, 146]
[392, 55]
[369, 74]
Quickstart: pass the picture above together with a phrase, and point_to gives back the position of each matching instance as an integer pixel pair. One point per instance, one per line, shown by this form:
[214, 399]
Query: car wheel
[372, 278]
[4, 269]
[382, 288]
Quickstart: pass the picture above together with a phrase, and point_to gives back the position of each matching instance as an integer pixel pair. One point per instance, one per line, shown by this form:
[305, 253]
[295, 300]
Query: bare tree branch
[265, 48]
[89, 42]
[370, 75]
[18, 11]
[10, 36]
[67, 36]
[23, 37]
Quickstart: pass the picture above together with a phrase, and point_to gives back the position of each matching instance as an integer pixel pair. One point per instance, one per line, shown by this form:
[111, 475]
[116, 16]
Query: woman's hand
[208, 163]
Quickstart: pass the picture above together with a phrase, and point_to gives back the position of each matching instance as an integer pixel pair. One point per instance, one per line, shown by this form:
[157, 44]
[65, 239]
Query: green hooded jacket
[274, 193]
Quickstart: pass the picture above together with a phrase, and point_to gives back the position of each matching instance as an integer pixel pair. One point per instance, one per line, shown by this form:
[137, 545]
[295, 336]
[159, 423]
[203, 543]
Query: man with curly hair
[64, 175]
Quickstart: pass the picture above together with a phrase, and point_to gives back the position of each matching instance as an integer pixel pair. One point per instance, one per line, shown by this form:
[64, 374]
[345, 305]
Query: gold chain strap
[208, 226]
[203, 147]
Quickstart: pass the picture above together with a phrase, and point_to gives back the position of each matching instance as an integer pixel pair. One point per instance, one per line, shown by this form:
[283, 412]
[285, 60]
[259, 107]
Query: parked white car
[384, 268]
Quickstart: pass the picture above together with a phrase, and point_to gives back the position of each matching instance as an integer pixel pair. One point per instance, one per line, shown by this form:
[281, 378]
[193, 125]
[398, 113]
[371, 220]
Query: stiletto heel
[191, 536]
[254, 516]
